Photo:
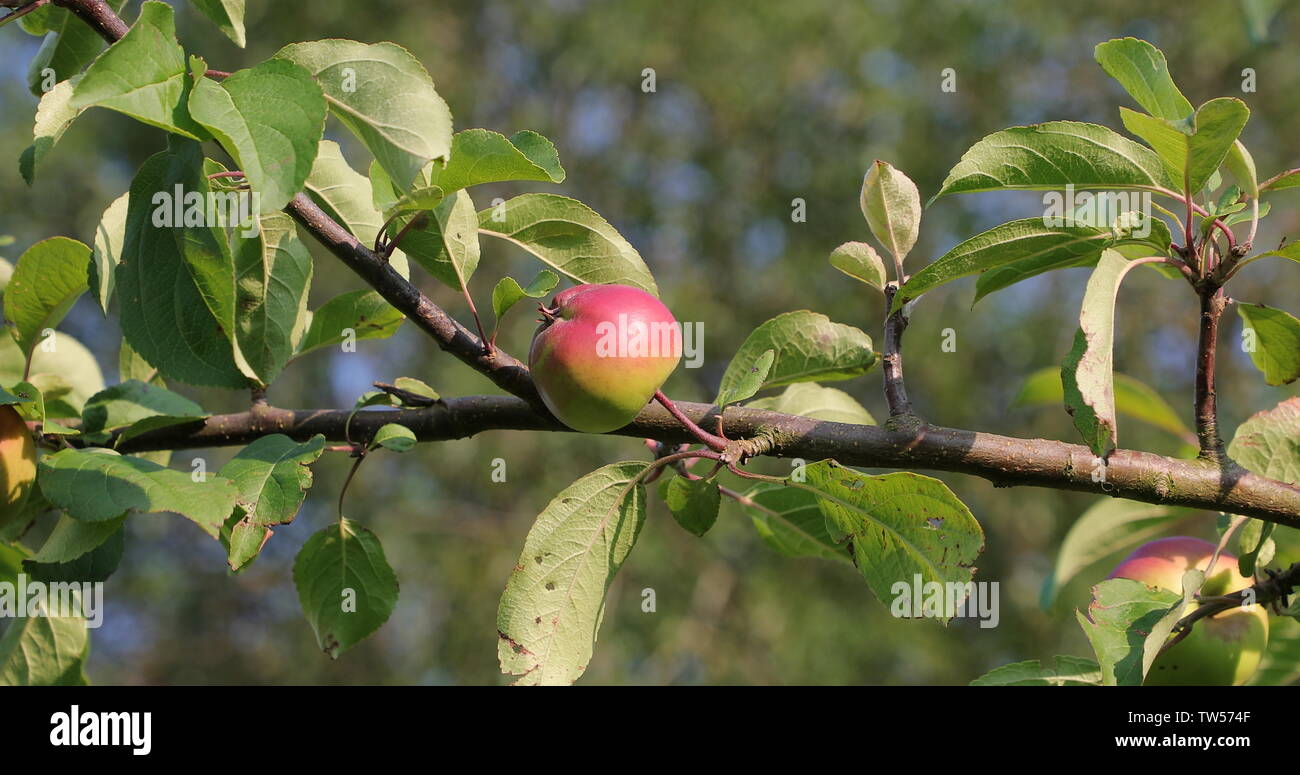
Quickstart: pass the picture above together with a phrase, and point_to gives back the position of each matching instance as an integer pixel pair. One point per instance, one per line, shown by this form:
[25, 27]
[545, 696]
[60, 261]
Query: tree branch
[99, 15]
[1005, 461]
[1207, 411]
[892, 358]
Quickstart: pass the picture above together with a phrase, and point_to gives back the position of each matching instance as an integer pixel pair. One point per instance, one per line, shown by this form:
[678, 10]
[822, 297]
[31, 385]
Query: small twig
[1273, 589]
[715, 443]
[26, 9]
[216, 73]
[895, 325]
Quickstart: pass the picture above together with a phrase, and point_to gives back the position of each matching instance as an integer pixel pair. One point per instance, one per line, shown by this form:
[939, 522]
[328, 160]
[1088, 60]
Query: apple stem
[715, 443]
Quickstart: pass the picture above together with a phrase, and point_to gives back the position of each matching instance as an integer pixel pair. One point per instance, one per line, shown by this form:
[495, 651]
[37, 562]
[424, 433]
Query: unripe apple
[601, 353]
[17, 463]
[1222, 650]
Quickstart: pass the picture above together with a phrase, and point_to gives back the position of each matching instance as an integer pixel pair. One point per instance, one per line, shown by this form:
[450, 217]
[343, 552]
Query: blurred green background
[756, 104]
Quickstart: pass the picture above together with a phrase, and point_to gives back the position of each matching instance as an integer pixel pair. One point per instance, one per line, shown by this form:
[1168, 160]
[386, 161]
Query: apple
[17, 463]
[1222, 650]
[600, 354]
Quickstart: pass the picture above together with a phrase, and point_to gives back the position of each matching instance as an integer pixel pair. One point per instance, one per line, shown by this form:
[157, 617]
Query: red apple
[601, 353]
[1222, 650]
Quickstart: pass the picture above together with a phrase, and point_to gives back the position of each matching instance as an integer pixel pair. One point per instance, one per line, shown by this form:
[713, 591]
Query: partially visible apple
[17, 463]
[601, 353]
[1222, 650]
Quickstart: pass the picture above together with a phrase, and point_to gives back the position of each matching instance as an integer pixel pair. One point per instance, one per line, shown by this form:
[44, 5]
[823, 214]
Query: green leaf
[273, 273]
[899, 527]
[789, 520]
[1242, 166]
[456, 223]
[1119, 617]
[109, 236]
[809, 348]
[272, 476]
[1133, 398]
[392, 436]
[1281, 663]
[1054, 155]
[97, 564]
[1268, 443]
[569, 237]
[143, 75]
[228, 15]
[47, 281]
[1192, 150]
[73, 538]
[861, 262]
[269, 118]
[44, 651]
[178, 284]
[1087, 372]
[363, 313]
[1274, 339]
[1109, 527]
[808, 399]
[1255, 546]
[508, 293]
[94, 485]
[1069, 671]
[1158, 634]
[121, 405]
[54, 115]
[345, 195]
[892, 207]
[1289, 179]
[66, 373]
[1017, 250]
[693, 503]
[482, 156]
[745, 382]
[551, 610]
[384, 96]
[416, 387]
[70, 44]
[345, 585]
[1143, 72]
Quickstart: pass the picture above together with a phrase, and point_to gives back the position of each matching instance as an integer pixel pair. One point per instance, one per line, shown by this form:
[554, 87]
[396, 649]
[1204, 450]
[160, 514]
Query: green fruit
[601, 353]
[1222, 650]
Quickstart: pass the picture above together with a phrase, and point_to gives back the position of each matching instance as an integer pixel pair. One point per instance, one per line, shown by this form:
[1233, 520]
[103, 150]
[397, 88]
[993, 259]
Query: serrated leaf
[1087, 372]
[570, 238]
[1121, 615]
[1054, 155]
[1142, 70]
[1276, 340]
[363, 313]
[273, 273]
[269, 118]
[44, 651]
[1069, 671]
[345, 586]
[899, 527]
[346, 196]
[98, 485]
[228, 15]
[482, 156]
[747, 380]
[693, 503]
[457, 223]
[1133, 398]
[551, 610]
[808, 399]
[46, 282]
[1192, 151]
[861, 262]
[124, 404]
[508, 292]
[384, 96]
[272, 476]
[107, 254]
[177, 283]
[1017, 250]
[1268, 443]
[54, 115]
[808, 346]
[789, 520]
[143, 75]
[892, 207]
[392, 436]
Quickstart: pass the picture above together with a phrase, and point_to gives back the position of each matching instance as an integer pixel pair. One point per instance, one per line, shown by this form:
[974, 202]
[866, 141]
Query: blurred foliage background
[756, 104]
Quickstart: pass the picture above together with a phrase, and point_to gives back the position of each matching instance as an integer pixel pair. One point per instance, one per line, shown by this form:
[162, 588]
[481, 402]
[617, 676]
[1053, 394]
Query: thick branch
[1003, 460]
